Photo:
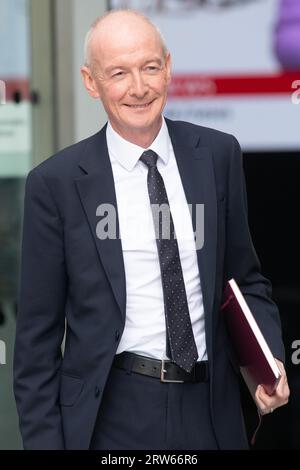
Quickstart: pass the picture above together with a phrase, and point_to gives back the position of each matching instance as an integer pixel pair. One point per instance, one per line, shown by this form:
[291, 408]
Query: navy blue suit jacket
[69, 273]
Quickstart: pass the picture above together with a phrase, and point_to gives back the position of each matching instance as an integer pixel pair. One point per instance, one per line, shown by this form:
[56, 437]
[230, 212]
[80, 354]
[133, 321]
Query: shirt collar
[128, 154]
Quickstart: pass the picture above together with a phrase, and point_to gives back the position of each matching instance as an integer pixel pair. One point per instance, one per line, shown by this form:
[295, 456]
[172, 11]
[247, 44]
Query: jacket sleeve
[40, 319]
[241, 261]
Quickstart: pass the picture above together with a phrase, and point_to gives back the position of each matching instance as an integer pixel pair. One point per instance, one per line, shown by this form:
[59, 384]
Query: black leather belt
[165, 370]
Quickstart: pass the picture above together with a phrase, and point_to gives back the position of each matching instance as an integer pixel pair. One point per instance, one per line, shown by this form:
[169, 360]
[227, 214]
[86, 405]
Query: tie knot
[149, 158]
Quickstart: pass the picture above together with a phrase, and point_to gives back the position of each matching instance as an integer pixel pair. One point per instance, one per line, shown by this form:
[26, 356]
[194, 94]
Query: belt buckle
[163, 371]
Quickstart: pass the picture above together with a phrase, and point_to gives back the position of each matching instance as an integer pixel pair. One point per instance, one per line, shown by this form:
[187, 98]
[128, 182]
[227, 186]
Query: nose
[138, 85]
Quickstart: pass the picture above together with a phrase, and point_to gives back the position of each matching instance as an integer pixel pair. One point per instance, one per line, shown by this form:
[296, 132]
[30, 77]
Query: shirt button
[97, 392]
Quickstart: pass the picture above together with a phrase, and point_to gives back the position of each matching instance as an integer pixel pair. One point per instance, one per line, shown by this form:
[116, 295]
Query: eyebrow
[156, 59]
[122, 67]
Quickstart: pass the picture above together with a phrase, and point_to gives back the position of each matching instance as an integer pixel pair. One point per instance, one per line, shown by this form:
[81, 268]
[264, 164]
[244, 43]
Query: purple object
[256, 362]
[287, 35]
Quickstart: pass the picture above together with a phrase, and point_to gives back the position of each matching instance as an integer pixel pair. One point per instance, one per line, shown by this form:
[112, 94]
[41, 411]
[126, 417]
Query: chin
[146, 122]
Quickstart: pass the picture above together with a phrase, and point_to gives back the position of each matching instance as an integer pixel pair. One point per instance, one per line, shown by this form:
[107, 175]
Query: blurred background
[236, 67]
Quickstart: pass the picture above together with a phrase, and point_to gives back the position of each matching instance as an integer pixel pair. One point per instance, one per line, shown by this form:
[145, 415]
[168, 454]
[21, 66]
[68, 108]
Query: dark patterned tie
[180, 335]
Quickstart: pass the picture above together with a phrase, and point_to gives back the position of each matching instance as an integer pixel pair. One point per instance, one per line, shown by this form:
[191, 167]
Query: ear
[89, 82]
[168, 67]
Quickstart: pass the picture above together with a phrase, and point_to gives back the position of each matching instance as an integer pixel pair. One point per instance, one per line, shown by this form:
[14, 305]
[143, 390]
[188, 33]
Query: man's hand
[268, 403]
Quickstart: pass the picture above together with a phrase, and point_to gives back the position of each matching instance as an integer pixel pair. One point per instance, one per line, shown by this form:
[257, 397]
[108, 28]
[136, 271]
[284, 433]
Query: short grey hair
[95, 24]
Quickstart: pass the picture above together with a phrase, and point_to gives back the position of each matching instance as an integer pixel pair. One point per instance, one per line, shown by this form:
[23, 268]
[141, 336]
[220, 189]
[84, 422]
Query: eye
[152, 68]
[118, 74]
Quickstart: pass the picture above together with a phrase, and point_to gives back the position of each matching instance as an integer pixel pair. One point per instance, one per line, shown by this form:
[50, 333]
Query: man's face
[131, 75]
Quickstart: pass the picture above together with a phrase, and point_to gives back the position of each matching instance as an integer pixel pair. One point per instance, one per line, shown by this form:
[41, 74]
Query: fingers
[263, 401]
[282, 387]
[268, 403]
[283, 392]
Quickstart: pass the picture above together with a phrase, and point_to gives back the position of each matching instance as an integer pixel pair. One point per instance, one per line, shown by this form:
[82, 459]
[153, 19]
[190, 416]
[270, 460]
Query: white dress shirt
[145, 330]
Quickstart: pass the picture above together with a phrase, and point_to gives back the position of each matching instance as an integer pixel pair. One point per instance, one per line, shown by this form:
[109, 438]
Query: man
[135, 298]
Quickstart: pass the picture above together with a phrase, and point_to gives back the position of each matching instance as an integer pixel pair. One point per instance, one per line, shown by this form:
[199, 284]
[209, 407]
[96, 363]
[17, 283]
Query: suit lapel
[195, 166]
[96, 187]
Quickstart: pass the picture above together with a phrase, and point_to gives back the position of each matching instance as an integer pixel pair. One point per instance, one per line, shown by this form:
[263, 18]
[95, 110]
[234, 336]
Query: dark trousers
[140, 412]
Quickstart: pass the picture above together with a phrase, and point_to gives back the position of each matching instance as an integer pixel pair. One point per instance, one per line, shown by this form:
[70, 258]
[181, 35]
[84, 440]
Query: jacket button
[117, 335]
[97, 392]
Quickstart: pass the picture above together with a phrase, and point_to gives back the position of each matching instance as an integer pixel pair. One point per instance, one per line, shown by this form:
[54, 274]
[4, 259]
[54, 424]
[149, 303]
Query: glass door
[26, 136]
[15, 162]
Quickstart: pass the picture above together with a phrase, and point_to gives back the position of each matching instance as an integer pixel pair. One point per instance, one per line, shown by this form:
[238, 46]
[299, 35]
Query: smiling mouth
[139, 106]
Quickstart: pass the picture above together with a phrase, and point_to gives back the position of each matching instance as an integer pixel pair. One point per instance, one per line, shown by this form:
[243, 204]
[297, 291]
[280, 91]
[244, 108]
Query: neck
[139, 137]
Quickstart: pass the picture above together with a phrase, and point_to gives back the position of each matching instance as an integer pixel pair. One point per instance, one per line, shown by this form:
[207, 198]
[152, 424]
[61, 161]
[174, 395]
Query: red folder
[257, 364]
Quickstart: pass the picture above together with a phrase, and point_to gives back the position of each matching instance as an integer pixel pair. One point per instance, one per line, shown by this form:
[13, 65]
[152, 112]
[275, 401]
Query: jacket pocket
[70, 389]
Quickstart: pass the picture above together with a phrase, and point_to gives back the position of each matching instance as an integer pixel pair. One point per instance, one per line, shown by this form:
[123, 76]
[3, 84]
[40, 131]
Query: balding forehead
[115, 17]
[116, 24]
[122, 23]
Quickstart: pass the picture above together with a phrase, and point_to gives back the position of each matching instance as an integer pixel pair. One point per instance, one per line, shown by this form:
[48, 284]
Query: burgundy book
[257, 364]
